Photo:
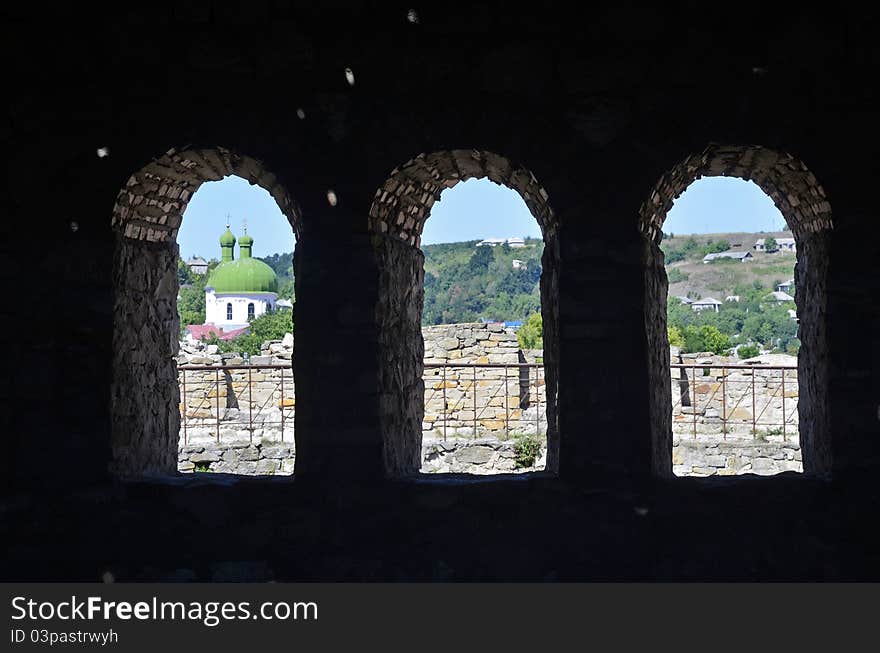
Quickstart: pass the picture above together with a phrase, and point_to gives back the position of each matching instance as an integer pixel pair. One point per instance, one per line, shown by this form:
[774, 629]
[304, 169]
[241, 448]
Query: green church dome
[227, 239]
[246, 275]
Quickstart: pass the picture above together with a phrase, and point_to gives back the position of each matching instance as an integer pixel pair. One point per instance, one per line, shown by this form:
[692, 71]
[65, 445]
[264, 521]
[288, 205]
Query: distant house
[785, 286]
[782, 244]
[494, 242]
[519, 265]
[793, 314]
[732, 298]
[710, 303]
[197, 265]
[742, 257]
[684, 300]
[284, 303]
[779, 296]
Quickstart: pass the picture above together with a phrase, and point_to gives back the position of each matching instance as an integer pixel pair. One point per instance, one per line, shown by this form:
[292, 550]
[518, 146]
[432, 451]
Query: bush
[527, 448]
[705, 338]
[677, 276]
[748, 351]
[531, 334]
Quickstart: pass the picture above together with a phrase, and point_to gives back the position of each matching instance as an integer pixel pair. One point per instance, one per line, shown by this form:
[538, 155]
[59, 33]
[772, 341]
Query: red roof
[202, 331]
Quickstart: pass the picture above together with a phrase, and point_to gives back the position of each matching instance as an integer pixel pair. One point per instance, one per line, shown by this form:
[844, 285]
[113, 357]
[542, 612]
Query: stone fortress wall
[473, 416]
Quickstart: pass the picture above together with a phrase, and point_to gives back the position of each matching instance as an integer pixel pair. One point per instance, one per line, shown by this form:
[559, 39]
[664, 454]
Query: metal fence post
[217, 392]
[723, 404]
[282, 405]
[783, 405]
[251, 405]
[445, 405]
[506, 406]
[754, 416]
[694, 401]
[474, 390]
[183, 403]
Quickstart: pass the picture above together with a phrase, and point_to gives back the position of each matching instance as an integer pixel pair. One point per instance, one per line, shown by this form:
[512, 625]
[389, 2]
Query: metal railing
[484, 399]
[211, 397]
[241, 402]
[735, 400]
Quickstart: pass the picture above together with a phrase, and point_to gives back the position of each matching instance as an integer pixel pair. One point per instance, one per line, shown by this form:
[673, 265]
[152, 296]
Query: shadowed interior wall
[598, 110]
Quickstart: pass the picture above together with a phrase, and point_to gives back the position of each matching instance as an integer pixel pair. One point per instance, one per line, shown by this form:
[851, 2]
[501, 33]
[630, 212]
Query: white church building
[239, 289]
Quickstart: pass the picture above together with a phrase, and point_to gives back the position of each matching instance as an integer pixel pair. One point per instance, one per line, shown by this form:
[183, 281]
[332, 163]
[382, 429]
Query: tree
[481, 258]
[184, 274]
[748, 351]
[674, 336]
[531, 334]
[705, 338]
[770, 244]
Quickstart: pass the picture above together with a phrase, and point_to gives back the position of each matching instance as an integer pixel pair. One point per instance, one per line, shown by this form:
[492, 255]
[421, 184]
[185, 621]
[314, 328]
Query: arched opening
[145, 395]
[397, 219]
[485, 401]
[801, 201]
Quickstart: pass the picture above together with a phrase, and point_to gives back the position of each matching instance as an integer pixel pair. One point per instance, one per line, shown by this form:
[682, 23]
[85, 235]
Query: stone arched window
[146, 216]
[397, 216]
[229, 311]
[250, 310]
[802, 202]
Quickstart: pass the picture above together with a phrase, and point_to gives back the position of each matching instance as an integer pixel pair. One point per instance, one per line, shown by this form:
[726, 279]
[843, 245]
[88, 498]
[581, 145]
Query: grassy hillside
[466, 283]
[691, 277]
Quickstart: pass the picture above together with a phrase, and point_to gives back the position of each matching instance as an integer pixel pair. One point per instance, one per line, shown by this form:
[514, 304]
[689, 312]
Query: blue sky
[722, 204]
[205, 219]
[474, 209]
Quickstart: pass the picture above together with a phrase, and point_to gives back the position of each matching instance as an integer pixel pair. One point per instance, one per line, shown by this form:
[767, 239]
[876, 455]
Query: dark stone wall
[597, 110]
[144, 395]
[401, 350]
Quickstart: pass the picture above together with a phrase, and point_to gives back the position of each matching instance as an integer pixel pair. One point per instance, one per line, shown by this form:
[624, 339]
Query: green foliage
[184, 274]
[531, 334]
[191, 297]
[202, 467]
[748, 351]
[677, 276]
[481, 258]
[466, 283]
[675, 337]
[526, 448]
[705, 338]
[751, 319]
[770, 244]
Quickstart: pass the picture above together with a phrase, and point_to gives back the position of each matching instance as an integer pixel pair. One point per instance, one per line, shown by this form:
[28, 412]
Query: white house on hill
[493, 242]
[785, 286]
[782, 244]
[707, 304]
